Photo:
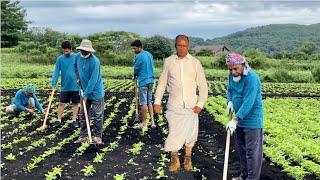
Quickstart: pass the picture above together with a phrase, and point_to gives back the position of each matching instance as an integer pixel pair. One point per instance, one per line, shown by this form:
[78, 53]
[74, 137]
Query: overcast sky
[206, 19]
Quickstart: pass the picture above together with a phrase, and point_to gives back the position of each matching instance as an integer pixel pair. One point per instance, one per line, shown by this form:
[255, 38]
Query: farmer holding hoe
[144, 73]
[88, 73]
[244, 96]
[69, 91]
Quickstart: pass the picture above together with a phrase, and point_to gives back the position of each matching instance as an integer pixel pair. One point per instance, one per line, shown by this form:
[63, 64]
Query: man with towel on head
[244, 96]
[183, 74]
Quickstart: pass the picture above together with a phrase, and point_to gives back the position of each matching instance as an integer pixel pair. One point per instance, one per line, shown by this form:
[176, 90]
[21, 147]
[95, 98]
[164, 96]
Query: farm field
[291, 134]
[215, 87]
[133, 153]
[126, 42]
[296, 72]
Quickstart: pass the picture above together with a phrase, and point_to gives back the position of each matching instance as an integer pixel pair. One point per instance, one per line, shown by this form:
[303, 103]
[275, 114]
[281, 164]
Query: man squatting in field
[88, 71]
[144, 72]
[244, 95]
[183, 74]
[24, 100]
[69, 89]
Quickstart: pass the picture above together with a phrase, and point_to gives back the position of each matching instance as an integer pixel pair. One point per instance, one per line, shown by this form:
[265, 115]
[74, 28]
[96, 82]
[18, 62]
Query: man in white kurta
[183, 74]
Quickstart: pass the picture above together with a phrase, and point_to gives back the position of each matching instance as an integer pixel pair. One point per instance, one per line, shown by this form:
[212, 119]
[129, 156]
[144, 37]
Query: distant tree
[221, 60]
[192, 52]
[299, 55]
[282, 55]
[256, 58]
[158, 46]
[13, 23]
[315, 56]
[117, 41]
[46, 36]
[196, 41]
[309, 48]
[316, 74]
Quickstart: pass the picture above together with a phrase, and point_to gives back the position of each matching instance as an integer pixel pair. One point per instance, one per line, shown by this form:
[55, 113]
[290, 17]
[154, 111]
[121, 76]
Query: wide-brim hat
[86, 45]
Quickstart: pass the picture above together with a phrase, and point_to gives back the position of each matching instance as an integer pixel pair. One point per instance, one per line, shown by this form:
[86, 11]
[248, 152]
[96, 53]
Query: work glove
[229, 108]
[232, 125]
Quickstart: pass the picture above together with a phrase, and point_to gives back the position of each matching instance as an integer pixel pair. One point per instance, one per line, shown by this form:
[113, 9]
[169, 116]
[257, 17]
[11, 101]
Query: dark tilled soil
[208, 155]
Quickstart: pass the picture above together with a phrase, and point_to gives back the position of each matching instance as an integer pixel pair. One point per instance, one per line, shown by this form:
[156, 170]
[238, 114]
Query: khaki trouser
[13, 111]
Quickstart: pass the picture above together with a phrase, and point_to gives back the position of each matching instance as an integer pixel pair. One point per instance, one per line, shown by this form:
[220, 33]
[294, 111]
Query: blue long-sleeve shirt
[144, 68]
[90, 77]
[247, 100]
[21, 101]
[65, 66]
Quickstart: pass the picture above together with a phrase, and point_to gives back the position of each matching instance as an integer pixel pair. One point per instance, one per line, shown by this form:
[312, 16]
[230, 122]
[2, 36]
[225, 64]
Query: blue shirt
[21, 101]
[247, 100]
[90, 76]
[65, 66]
[144, 68]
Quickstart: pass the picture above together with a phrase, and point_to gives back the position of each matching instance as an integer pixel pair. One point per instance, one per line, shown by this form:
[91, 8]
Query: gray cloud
[205, 19]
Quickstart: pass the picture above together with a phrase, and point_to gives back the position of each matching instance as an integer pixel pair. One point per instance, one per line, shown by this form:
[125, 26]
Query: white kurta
[183, 77]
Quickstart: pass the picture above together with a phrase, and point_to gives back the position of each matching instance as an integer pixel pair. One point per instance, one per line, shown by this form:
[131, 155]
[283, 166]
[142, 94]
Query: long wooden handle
[86, 116]
[136, 95]
[48, 109]
[87, 120]
[226, 156]
[226, 153]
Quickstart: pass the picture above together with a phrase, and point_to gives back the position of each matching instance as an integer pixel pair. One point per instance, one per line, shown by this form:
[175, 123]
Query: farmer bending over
[24, 100]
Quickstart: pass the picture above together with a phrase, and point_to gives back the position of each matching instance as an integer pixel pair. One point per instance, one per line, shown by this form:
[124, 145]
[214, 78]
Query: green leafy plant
[131, 162]
[54, 174]
[10, 157]
[160, 173]
[136, 148]
[195, 169]
[119, 176]
[6, 146]
[88, 170]
[98, 158]
[84, 146]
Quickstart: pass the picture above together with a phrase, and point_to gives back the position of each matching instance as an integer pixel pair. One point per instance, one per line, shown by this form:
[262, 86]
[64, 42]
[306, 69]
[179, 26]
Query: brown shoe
[175, 163]
[187, 164]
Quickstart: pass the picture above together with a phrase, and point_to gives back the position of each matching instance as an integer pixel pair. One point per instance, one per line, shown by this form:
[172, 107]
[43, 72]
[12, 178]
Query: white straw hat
[86, 45]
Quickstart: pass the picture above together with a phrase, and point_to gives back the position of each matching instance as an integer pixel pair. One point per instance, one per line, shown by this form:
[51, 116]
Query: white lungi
[183, 128]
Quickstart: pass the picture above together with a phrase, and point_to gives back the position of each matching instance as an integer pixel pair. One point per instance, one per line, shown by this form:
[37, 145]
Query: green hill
[270, 38]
